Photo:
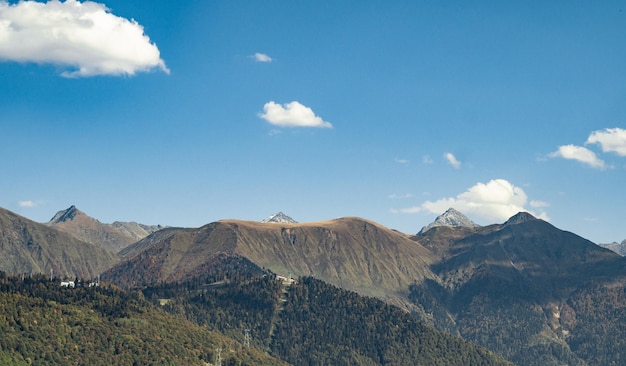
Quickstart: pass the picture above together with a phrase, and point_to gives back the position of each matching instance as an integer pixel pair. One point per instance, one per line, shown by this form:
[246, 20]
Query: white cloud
[291, 114]
[261, 57]
[452, 160]
[494, 201]
[426, 159]
[85, 37]
[395, 196]
[29, 203]
[610, 139]
[578, 153]
[401, 161]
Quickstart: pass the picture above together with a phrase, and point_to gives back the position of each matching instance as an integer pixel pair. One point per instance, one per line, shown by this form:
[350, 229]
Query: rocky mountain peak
[451, 218]
[65, 215]
[280, 218]
[619, 248]
[519, 218]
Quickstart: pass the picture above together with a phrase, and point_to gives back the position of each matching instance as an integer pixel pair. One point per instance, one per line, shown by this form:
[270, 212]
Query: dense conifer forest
[310, 322]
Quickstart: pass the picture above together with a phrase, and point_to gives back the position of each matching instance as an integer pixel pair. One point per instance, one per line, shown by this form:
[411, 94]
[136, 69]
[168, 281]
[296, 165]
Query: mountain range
[30, 247]
[530, 292]
[113, 237]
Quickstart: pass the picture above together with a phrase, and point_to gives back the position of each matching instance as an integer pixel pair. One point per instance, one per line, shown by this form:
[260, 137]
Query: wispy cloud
[401, 161]
[452, 160]
[261, 57]
[291, 114]
[610, 139]
[85, 37]
[395, 196]
[29, 203]
[496, 200]
[579, 153]
[426, 159]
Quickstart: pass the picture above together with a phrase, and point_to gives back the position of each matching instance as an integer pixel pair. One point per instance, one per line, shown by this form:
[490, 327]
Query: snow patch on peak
[280, 218]
[450, 218]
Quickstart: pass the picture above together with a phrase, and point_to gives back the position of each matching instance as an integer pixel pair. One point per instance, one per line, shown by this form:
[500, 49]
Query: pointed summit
[451, 218]
[519, 218]
[280, 218]
[65, 215]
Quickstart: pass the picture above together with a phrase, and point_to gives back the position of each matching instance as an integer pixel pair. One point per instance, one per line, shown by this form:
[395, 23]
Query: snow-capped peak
[280, 218]
[452, 218]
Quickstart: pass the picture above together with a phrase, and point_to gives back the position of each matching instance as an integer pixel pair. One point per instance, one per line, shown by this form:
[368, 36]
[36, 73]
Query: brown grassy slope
[352, 253]
[27, 246]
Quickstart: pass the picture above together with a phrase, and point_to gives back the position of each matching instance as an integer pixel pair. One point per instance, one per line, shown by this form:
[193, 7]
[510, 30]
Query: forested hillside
[322, 325]
[42, 323]
[312, 323]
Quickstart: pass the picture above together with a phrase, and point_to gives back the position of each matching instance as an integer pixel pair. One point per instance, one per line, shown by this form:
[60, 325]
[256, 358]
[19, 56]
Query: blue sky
[183, 113]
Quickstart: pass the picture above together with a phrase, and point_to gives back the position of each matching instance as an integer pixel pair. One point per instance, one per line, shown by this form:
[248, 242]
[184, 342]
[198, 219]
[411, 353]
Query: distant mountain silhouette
[619, 248]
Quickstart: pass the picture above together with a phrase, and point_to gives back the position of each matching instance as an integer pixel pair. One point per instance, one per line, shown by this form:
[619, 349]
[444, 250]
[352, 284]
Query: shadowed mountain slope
[514, 288]
[27, 246]
[113, 237]
[522, 249]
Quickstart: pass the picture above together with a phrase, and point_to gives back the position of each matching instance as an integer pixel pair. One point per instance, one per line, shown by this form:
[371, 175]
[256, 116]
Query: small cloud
[275, 132]
[610, 139]
[29, 203]
[395, 196]
[401, 161]
[291, 114]
[261, 57]
[426, 159]
[408, 210]
[83, 36]
[496, 200]
[452, 160]
[579, 153]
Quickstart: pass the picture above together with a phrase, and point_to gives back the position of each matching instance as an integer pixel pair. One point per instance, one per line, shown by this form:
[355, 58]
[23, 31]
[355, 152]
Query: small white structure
[67, 284]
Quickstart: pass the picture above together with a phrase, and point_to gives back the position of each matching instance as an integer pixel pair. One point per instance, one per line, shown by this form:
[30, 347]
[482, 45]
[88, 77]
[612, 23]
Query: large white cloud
[578, 153]
[494, 201]
[85, 37]
[610, 139]
[291, 114]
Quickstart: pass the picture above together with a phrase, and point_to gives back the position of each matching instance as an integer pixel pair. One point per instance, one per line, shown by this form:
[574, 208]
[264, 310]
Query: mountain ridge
[523, 288]
[30, 247]
[113, 237]
[338, 251]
